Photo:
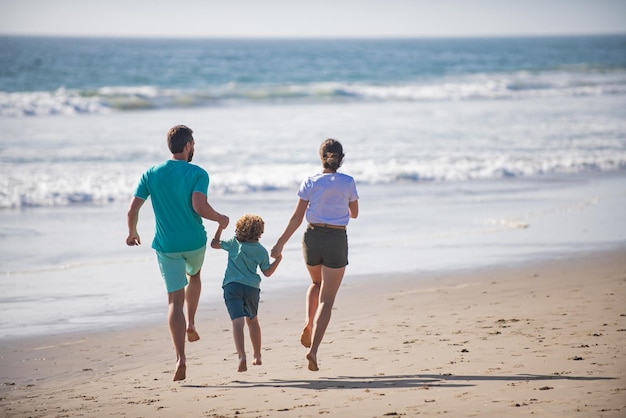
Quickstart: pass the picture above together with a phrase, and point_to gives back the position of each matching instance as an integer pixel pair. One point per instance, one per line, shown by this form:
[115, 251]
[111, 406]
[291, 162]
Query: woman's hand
[277, 251]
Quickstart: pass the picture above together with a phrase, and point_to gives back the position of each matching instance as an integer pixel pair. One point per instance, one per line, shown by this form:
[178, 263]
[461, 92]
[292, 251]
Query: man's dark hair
[177, 138]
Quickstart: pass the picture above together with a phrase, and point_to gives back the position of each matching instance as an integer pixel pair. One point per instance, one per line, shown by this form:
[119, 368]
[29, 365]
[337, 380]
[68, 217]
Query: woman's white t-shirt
[328, 195]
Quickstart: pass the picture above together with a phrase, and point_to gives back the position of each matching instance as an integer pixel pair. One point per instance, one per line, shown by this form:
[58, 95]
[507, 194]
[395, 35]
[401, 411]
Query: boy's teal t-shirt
[243, 260]
[170, 186]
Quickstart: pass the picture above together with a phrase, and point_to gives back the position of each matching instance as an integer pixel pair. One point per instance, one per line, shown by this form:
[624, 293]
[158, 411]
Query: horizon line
[310, 37]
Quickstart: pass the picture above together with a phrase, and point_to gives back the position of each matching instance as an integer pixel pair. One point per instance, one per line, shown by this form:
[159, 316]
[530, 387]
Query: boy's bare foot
[257, 361]
[181, 373]
[192, 335]
[243, 366]
[305, 337]
[312, 362]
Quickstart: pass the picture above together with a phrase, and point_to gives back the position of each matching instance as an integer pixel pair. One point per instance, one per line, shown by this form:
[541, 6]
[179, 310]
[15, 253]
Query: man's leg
[192, 297]
[176, 320]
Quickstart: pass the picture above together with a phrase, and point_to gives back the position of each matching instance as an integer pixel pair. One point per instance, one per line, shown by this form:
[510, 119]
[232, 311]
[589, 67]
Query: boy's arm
[215, 242]
[272, 268]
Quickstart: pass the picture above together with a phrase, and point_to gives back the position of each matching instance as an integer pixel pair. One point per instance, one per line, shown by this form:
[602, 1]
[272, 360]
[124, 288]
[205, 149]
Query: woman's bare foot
[192, 335]
[305, 337]
[243, 366]
[312, 362]
[181, 373]
[257, 361]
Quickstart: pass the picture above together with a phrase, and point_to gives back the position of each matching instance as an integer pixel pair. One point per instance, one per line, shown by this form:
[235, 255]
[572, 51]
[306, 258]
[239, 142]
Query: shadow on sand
[391, 382]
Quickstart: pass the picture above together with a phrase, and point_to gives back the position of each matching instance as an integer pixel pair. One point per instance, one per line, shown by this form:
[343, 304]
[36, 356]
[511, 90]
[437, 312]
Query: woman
[328, 199]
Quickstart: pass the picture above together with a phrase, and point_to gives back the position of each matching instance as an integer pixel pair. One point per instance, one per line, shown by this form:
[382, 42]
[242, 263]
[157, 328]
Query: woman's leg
[331, 280]
[312, 301]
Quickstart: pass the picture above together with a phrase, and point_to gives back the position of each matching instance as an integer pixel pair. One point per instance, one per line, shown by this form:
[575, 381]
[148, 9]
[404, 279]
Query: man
[179, 199]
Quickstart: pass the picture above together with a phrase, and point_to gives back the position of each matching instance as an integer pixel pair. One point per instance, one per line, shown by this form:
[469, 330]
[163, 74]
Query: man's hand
[133, 239]
[224, 221]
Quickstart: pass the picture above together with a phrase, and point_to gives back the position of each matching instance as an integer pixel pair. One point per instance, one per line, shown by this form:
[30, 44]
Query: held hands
[224, 221]
[277, 251]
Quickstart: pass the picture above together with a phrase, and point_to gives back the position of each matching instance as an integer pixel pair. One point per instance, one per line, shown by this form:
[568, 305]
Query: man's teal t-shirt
[170, 186]
[243, 260]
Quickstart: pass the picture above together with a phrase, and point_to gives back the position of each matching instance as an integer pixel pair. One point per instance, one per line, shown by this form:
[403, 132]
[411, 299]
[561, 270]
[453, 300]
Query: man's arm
[133, 218]
[203, 208]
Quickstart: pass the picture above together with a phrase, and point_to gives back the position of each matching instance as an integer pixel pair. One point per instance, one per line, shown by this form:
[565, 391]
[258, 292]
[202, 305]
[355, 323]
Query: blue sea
[467, 153]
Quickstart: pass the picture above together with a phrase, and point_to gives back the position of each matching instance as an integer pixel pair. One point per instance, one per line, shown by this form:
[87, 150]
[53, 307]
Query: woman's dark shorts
[325, 246]
[241, 300]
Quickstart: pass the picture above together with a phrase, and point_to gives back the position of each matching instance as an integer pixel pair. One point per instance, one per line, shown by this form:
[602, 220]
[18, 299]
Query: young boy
[242, 283]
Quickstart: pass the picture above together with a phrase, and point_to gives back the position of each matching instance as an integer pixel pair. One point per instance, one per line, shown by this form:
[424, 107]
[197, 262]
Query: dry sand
[546, 340]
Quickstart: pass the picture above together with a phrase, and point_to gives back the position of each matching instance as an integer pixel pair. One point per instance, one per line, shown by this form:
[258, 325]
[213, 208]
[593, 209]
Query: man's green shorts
[176, 266]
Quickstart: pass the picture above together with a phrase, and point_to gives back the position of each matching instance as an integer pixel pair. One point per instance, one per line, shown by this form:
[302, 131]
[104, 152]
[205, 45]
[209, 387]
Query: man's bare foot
[305, 337]
[181, 373]
[243, 366]
[257, 361]
[312, 362]
[192, 335]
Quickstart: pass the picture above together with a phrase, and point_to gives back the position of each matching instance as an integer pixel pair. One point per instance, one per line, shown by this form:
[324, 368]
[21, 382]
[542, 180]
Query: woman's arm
[294, 223]
[354, 208]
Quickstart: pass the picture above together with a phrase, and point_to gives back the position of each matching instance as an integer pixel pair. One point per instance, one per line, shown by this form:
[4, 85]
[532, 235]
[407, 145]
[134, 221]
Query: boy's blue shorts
[241, 300]
[175, 267]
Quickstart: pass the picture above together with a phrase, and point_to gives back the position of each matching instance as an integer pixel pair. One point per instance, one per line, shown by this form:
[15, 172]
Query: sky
[311, 18]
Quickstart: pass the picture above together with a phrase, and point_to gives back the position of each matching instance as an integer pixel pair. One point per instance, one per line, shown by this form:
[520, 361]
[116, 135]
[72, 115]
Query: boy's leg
[255, 336]
[312, 301]
[192, 297]
[176, 320]
[238, 325]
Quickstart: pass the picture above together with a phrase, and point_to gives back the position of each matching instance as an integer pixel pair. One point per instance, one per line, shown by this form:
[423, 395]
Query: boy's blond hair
[249, 228]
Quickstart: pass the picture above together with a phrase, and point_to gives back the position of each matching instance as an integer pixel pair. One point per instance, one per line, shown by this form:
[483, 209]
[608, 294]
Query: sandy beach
[545, 340]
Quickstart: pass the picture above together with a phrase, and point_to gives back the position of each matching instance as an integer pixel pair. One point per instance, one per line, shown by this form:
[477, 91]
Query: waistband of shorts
[313, 226]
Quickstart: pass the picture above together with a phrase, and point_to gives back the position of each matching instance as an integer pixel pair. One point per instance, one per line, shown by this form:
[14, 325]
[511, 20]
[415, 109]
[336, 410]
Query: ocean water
[467, 153]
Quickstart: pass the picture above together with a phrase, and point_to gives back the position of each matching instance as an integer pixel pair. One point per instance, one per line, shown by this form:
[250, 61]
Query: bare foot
[312, 362]
[257, 361]
[181, 373]
[305, 337]
[192, 335]
[243, 366]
